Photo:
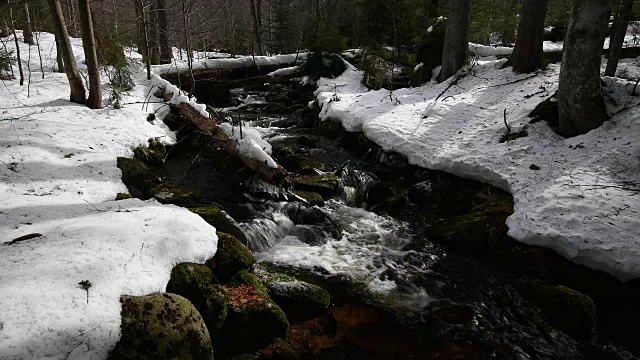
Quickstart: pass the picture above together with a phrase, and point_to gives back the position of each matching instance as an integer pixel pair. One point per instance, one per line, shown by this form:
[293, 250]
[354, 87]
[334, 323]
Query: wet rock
[280, 97]
[176, 195]
[356, 142]
[305, 141]
[325, 185]
[299, 300]
[279, 350]
[377, 192]
[189, 280]
[173, 122]
[232, 256]
[331, 129]
[569, 309]
[253, 319]
[395, 204]
[323, 65]
[421, 193]
[221, 221]
[284, 123]
[304, 215]
[161, 326]
[394, 160]
[213, 302]
[450, 312]
[297, 163]
[312, 198]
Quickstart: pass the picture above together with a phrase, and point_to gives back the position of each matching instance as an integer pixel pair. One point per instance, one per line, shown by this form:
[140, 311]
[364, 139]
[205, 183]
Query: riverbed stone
[213, 303]
[221, 221]
[325, 185]
[569, 309]
[232, 256]
[297, 163]
[161, 326]
[177, 195]
[189, 280]
[301, 214]
[311, 197]
[421, 193]
[299, 300]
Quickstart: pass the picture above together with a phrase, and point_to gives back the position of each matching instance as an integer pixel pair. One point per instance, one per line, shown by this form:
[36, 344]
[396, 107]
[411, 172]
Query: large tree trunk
[256, 15]
[73, 28]
[527, 54]
[140, 32]
[163, 24]
[617, 39]
[456, 39]
[59, 59]
[580, 103]
[63, 44]
[154, 34]
[27, 34]
[89, 44]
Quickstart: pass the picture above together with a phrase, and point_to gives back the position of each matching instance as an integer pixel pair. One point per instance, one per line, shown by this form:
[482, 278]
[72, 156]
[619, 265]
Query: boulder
[213, 303]
[311, 197]
[232, 256]
[189, 280]
[298, 163]
[568, 309]
[377, 192]
[161, 326]
[279, 350]
[303, 215]
[152, 155]
[325, 185]
[299, 300]
[421, 193]
[176, 195]
[137, 176]
[221, 221]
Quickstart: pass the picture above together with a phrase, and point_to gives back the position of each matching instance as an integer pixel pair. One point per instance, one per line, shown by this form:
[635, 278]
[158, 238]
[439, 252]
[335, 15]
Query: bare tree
[256, 16]
[63, 44]
[163, 27]
[153, 33]
[59, 58]
[72, 26]
[27, 33]
[527, 54]
[89, 44]
[140, 28]
[617, 38]
[15, 38]
[580, 103]
[456, 39]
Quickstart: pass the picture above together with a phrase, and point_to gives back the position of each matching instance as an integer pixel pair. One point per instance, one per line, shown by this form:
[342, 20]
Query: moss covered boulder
[213, 304]
[152, 155]
[311, 197]
[253, 319]
[279, 350]
[221, 221]
[568, 309]
[137, 176]
[176, 195]
[189, 280]
[299, 300]
[161, 326]
[298, 163]
[232, 256]
[325, 185]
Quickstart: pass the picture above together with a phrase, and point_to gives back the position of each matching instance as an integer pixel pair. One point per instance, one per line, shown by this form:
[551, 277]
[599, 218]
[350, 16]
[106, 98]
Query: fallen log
[209, 127]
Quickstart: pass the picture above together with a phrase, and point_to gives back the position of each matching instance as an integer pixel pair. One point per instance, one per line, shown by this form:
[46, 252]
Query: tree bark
[15, 38]
[27, 34]
[140, 25]
[63, 44]
[153, 34]
[617, 38]
[456, 39]
[89, 44]
[527, 54]
[256, 15]
[72, 19]
[59, 59]
[163, 25]
[580, 103]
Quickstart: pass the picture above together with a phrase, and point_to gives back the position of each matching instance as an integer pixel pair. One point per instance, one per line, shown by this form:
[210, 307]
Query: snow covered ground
[59, 179]
[576, 196]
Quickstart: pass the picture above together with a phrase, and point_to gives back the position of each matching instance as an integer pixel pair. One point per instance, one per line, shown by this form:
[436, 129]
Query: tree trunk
[15, 38]
[27, 34]
[617, 38]
[72, 19]
[580, 103]
[89, 44]
[141, 34]
[527, 54]
[509, 22]
[63, 44]
[59, 59]
[256, 15]
[153, 33]
[456, 39]
[163, 24]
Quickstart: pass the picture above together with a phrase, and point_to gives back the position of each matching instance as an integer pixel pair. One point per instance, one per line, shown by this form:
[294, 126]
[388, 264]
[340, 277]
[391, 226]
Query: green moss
[232, 256]
[244, 277]
[297, 163]
[69, 156]
[137, 176]
[152, 155]
[132, 168]
[122, 196]
[325, 185]
[279, 350]
[312, 198]
[189, 280]
[220, 220]
[161, 326]
[171, 194]
[299, 300]
[395, 204]
[569, 309]
[213, 305]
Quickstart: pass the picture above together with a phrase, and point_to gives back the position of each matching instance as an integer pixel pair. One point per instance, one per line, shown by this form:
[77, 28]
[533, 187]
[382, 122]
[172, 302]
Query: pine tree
[456, 41]
[527, 54]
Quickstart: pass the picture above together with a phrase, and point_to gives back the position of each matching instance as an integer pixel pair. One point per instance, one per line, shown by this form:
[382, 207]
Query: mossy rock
[244, 277]
[332, 129]
[483, 226]
[221, 221]
[298, 163]
[279, 350]
[152, 155]
[281, 151]
[161, 326]
[213, 304]
[253, 322]
[569, 309]
[299, 300]
[189, 280]
[325, 185]
[176, 195]
[137, 176]
[232, 256]
[311, 197]
[395, 204]
[122, 196]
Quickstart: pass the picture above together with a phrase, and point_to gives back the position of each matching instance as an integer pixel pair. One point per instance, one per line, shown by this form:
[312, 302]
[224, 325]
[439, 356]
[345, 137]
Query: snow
[59, 179]
[229, 63]
[577, 204]
[284, 71]
[250, 144]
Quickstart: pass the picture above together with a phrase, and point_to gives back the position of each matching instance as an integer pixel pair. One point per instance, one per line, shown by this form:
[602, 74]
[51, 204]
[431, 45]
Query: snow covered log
[249, 148]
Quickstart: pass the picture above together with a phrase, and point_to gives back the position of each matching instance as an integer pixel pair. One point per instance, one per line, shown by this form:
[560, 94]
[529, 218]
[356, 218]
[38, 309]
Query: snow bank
[577, 203]
[250, 144]
[58, 179]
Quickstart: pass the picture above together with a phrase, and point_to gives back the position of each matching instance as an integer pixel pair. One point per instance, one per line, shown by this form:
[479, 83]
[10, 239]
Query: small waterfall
[354, 185]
